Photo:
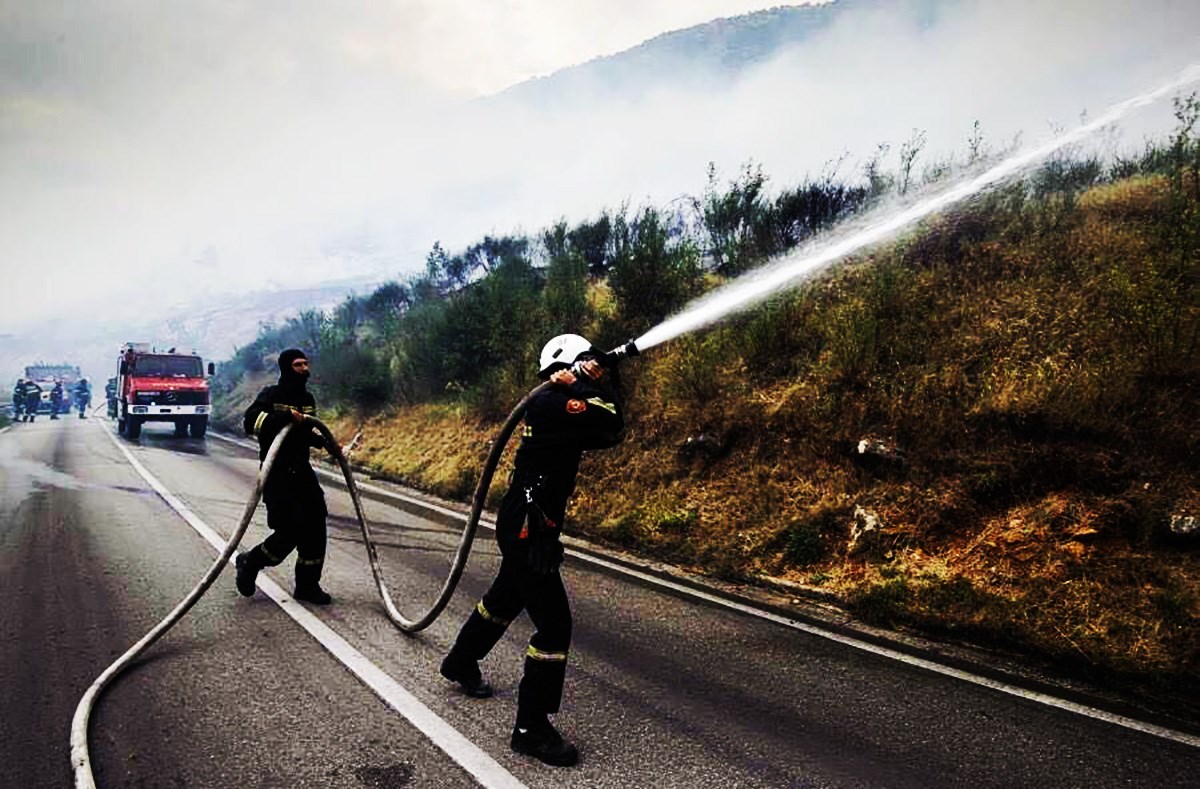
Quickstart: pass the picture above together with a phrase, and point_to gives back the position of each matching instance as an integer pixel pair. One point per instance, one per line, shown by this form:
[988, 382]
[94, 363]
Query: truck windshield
[168, 366]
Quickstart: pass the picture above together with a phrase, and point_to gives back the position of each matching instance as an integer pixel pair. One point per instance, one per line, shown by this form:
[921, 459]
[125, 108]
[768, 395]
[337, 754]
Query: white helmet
[562, 351]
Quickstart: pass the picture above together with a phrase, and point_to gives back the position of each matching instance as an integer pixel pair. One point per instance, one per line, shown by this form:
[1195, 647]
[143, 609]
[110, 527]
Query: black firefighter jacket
[270, 412]
[561, 423]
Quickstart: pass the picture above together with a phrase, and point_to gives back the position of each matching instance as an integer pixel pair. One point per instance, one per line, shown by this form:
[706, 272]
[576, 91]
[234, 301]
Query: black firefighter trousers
[296, 516]
[518, 588]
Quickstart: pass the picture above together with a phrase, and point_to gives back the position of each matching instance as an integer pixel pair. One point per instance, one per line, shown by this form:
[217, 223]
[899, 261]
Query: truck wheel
[133, 426]
[199, 426]
[181, 428]
[122, 425]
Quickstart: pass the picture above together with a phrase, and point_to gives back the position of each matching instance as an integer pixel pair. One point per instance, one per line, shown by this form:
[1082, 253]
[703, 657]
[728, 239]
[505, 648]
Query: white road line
[929, 665]
[469, 756]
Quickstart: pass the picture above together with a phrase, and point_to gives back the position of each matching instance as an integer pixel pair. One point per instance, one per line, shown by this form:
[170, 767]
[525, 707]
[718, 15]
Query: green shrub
[677, 521]
[655, 267]
[885, 603]
[805, 545]
[694, 374]
[622, 529]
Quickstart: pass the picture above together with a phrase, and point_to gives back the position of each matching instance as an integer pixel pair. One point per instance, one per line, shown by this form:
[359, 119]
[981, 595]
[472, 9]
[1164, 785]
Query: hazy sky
[234, 139]
[154, 150]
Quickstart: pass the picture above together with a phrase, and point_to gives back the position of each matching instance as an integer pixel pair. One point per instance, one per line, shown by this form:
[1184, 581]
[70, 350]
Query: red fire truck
[154, 386]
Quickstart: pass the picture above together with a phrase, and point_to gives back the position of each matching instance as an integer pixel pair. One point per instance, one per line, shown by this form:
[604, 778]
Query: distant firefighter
[56, 399]
[82, 393]
[110, 394]
[18, 399]
[33, 400]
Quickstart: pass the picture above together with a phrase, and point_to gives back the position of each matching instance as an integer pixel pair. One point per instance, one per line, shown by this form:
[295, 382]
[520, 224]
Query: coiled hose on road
[80, 758]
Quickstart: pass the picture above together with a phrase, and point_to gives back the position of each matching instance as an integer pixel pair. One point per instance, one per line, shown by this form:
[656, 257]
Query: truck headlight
[140, 409]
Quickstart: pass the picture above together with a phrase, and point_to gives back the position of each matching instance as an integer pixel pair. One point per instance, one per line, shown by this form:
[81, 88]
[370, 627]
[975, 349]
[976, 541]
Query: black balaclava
[287, 376]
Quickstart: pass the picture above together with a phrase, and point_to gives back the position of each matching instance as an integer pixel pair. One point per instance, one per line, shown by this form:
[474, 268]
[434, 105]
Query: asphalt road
[662, 689]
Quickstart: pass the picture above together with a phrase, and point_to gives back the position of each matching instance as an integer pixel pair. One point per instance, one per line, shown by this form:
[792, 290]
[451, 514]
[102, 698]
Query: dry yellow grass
[440, 449]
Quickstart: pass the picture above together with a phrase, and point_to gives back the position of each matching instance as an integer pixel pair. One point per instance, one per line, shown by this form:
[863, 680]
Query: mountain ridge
[715, 52]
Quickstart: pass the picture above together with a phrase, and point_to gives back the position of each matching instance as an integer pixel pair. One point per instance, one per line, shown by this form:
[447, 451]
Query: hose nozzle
[610, 360]
[619, 354]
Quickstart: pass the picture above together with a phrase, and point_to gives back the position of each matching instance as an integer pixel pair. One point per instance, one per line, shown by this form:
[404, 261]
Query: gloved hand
[545, 549]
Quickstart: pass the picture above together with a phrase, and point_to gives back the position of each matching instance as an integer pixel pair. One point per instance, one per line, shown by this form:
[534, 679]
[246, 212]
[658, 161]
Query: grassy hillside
[984, 430]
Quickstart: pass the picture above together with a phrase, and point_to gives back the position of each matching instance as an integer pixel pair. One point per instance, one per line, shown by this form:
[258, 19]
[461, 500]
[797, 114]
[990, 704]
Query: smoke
[880, 72]
[150, 154]
[879, 226]
[883, 70]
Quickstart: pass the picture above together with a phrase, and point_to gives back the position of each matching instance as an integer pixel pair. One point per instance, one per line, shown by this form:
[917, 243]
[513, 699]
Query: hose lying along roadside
[80, 759]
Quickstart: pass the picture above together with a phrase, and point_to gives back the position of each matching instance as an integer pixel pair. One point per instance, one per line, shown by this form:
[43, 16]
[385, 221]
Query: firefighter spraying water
[577, 410]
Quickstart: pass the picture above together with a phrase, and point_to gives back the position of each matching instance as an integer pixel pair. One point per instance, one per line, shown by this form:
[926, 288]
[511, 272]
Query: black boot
[466, 673]
[308, 582]
[248, 564]
[312, 594]
[543, 742]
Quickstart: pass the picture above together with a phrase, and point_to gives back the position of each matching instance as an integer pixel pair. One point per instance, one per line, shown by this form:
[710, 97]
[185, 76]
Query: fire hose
[80, 758]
